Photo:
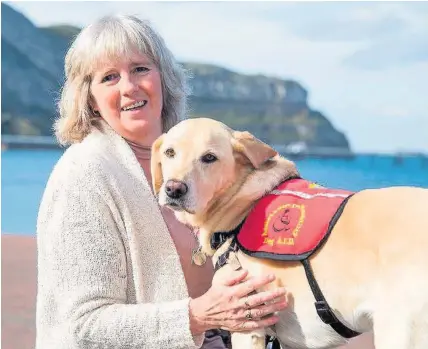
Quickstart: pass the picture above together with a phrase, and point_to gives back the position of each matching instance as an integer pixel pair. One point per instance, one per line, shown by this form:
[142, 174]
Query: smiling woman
[119, 56]
[128, 95]
[115, 270]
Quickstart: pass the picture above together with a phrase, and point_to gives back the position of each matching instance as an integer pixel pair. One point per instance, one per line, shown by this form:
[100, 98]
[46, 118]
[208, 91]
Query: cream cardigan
[109, 275]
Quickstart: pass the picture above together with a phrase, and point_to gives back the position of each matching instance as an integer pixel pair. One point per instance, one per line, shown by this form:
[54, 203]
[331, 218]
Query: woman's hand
[230, 306]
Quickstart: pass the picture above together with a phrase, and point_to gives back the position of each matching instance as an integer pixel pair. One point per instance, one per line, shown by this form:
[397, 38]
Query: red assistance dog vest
[292, 221]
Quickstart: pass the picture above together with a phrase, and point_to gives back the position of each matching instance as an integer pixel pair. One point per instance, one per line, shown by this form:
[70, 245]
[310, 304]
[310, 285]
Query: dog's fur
[372, 269]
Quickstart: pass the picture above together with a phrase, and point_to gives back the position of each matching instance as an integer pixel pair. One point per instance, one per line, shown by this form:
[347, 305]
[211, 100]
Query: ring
[248, 315]
[246, 303]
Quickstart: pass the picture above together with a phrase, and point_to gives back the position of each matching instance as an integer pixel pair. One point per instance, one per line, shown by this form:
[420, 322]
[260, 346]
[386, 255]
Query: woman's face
[128, 95]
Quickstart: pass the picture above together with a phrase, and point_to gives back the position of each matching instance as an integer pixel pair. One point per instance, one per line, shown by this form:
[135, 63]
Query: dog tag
[198, 257]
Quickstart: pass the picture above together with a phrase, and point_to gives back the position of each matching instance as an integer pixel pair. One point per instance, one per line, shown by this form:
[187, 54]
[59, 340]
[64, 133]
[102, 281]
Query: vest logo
[283, 225]
[313, 185]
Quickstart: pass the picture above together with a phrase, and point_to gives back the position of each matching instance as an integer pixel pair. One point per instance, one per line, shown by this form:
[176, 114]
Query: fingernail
[271, 277]
[281, 291]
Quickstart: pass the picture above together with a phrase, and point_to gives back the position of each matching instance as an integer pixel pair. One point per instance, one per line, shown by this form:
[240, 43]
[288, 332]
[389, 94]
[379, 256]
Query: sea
[24, 174]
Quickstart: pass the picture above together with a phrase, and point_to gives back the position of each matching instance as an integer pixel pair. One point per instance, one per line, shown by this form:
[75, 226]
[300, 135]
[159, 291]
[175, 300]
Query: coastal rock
[273, 109]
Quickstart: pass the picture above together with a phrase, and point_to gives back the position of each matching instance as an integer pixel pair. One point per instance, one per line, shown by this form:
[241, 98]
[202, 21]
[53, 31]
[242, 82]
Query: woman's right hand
[231, 306]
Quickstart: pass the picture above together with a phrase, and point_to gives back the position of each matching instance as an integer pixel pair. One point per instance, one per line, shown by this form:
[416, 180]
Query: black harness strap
[219, 238]
[222, 260]
[272, 343]
[323, 309]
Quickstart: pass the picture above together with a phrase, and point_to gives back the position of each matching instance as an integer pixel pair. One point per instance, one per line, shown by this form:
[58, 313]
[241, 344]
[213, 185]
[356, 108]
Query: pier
[294, 152]
[28, 142]
[313, 152]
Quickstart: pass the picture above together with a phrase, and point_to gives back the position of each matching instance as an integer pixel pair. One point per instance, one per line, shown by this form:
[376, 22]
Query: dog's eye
[170, 152]
[207, 158]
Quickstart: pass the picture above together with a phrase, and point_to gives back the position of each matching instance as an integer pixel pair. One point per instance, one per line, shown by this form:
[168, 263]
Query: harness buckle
[324, 312]
[222, 260]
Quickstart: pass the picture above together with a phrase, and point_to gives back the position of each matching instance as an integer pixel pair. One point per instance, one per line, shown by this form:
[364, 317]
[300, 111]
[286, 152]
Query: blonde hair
[109, 38]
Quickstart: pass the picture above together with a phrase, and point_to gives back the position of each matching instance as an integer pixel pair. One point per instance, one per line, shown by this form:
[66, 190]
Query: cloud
[385, 34]
[393, 112]
[403, 49]
[354, 21]
[344, 21]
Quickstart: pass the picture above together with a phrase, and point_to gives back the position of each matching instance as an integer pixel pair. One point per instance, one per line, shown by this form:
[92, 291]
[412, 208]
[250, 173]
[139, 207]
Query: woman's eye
[142, 69]
[208, 158]
[108, 77]
[170, 153]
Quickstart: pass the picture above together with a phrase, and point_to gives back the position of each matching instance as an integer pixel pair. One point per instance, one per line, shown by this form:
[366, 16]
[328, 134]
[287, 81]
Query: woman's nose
[128, 84]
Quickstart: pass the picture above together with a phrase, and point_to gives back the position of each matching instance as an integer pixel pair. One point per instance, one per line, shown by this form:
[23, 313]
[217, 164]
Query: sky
[365, 64]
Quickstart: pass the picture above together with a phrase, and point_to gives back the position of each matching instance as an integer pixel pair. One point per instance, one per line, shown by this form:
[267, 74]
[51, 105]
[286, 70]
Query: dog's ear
[254, 149]
[155, 165]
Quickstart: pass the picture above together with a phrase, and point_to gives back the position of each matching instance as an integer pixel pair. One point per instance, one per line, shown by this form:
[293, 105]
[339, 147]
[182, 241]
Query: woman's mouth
[135, 106]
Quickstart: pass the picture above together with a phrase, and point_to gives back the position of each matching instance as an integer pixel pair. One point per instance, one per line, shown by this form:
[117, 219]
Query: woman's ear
[156, 165]
[93, 105]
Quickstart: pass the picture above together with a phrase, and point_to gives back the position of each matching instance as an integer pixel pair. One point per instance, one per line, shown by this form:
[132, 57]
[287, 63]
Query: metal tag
[198, 257]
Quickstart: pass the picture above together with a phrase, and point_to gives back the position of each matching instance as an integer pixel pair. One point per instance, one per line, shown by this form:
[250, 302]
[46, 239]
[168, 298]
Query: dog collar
[219, 238]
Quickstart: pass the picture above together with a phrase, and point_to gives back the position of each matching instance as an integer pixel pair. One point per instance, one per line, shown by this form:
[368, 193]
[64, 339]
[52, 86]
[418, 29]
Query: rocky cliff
[275, 110]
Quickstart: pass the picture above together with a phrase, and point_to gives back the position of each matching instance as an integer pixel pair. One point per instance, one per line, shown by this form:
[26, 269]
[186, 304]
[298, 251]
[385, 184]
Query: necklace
[142, 152]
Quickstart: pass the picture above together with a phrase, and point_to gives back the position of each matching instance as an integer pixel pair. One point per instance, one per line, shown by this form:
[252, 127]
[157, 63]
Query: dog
[367, 273]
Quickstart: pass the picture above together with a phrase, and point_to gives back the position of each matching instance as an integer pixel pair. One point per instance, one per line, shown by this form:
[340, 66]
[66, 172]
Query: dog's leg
[400, 335]
[391, 331]
[418, 328]
[249, 340]
[400, 317]
[404, 331]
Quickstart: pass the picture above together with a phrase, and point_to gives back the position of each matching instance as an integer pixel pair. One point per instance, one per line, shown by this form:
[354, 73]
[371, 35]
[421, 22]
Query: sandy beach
[19, 295]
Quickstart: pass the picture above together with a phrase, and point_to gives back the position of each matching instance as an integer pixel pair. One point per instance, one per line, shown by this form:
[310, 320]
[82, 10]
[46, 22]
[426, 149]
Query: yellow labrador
[372, 269]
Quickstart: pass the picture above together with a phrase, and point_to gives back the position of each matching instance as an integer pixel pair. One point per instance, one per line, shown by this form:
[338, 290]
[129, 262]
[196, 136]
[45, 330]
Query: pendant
[198, 257]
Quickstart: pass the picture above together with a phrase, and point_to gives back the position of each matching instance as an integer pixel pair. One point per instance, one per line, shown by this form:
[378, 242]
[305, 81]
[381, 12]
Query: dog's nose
[175, 189]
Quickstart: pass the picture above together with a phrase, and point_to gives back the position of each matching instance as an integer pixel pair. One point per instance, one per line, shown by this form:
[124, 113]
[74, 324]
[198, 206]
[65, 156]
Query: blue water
[25, 173]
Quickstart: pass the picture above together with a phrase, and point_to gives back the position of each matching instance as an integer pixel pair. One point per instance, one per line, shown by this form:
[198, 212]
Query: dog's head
[198, 160]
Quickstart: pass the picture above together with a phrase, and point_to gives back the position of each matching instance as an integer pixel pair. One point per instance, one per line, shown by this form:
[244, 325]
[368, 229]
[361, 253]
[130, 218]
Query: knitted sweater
[109, 275]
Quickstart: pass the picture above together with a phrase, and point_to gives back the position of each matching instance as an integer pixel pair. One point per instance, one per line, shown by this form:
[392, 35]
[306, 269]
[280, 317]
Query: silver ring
[248, 315]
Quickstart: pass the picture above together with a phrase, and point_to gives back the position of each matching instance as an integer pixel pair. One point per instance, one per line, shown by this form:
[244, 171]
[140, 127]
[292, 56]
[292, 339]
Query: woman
[110, 272]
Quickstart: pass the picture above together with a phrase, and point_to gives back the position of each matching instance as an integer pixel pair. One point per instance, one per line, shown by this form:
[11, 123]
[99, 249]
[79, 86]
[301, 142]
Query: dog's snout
[175, 189]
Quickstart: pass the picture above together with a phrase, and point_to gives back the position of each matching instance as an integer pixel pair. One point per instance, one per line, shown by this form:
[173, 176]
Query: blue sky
[365, 64]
